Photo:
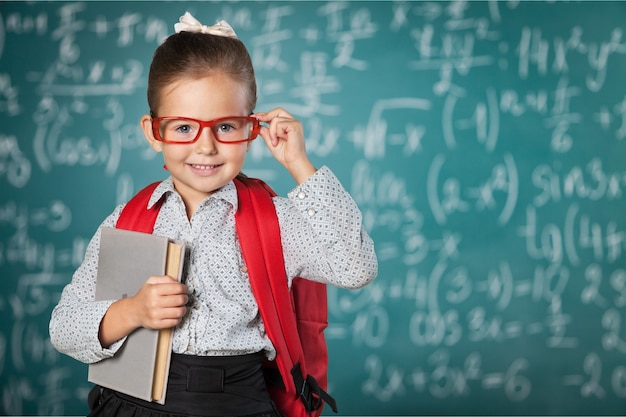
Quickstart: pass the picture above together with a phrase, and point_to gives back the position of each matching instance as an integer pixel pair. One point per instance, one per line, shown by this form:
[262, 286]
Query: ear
[146, 126]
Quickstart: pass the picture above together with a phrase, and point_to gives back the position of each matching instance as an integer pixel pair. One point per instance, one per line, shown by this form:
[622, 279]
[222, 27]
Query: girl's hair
[196, 55]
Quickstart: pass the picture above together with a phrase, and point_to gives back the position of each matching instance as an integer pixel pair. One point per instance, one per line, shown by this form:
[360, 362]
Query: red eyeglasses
[235, 129]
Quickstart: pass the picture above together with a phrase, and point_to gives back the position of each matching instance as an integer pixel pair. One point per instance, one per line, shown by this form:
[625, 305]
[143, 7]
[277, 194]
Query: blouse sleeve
[75, 320]
[323, 236]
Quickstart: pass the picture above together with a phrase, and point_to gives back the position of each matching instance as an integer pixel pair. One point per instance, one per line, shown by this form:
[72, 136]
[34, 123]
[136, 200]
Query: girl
[201, 94]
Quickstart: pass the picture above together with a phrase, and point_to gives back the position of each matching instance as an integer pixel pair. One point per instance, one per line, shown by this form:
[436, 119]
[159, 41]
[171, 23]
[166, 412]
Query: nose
[206, 143]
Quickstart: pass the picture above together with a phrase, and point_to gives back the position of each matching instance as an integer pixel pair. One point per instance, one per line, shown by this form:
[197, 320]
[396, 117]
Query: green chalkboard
[485, 143]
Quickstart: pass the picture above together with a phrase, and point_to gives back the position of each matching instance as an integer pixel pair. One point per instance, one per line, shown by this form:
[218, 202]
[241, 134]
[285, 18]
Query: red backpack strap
[135, 214]
[256, 212]
[268, 279]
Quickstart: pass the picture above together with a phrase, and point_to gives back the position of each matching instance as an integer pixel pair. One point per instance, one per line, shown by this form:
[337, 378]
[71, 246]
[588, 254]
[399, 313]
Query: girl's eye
[183, 129]
[225, 128]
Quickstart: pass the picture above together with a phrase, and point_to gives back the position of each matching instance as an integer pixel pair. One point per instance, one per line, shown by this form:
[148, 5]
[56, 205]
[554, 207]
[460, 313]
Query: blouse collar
[227, 193]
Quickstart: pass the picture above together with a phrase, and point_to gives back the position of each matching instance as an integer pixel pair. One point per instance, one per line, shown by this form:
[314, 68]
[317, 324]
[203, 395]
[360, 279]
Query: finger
[281, 125]
[272, 136]
[160, 279]
[165, 281]
[282, 113]
[176, 300]
[272, 114]
[260, 116]
[172, 297]
[264, 131]
[166, 318]
[158, 296]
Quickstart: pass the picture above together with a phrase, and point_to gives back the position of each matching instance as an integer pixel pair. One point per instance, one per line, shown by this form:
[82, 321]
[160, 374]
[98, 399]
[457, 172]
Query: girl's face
[201, 168]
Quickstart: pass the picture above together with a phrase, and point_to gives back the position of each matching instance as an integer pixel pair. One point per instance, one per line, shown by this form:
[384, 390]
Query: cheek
[233, 151]
[241, 152]
[174, 152]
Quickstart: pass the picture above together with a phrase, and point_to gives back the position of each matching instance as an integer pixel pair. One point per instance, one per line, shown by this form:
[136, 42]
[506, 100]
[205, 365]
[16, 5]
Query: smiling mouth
[204, 167]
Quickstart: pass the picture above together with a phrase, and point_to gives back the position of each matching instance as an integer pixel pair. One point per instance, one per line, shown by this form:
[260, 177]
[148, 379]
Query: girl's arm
[75, 321]
[323, 235]
[89, 330]
[321, 227]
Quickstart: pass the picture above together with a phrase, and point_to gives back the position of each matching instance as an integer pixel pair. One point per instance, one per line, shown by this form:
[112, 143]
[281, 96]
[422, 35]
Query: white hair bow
[188, 23]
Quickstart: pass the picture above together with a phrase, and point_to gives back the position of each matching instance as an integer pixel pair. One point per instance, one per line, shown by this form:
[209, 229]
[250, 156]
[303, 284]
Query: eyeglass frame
[256, 127]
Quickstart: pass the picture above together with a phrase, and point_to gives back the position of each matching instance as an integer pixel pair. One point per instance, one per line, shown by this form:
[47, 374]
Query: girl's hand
[285, 139]
[160, 303]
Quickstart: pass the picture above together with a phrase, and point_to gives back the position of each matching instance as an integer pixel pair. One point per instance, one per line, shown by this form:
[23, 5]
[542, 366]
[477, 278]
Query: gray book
[127, 259]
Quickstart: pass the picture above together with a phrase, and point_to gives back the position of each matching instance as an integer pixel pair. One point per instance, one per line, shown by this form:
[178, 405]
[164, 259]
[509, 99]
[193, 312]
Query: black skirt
[198, 386]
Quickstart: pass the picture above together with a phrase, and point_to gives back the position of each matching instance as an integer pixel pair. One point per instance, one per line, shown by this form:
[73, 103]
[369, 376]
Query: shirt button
[311, 212]
[301, 195]
[244, 269]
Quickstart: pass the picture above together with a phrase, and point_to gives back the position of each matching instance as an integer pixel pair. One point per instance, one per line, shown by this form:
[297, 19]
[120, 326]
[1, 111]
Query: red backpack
[294, 319]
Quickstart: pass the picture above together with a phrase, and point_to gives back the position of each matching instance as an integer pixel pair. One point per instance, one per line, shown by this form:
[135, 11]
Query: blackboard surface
[484, 141]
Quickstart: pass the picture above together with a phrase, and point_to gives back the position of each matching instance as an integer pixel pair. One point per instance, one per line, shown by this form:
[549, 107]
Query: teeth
[203, 166]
